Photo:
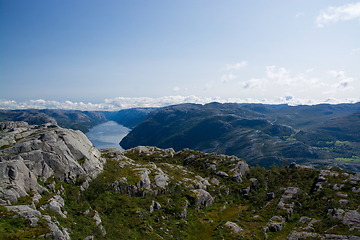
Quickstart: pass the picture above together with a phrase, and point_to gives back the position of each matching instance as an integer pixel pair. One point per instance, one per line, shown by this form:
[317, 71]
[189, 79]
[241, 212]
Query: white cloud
[283, 78]
[343, 83]
[235, 66]
[253, 83]
[42, 104]
[208, 85]
[355, 50]
[335, 14]
[176, 89]
[282, 75]
[119, 103]
[337, 74]
[299, 14]
[226, 78]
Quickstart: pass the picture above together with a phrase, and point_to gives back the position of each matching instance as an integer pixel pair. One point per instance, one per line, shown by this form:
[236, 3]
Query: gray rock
[254, 182]
[304, 219]
[242, 167]
[339, 214]
[97, 218]
[55, 204]
[343, 195]
[302, 235]
[233, 226]
[222, 174]
[321, 179]
[202, 198]
[236, 177]
[355, 190]
[24, 211]
[145, 180]
[56, 233]
[352, 218]
[215, 181]
[343, 202]
[45, 151]
[275, 224]
[155, 205]
[10, 124]
[246, 190]
[91, 237]
[212, 167]
[161, 180]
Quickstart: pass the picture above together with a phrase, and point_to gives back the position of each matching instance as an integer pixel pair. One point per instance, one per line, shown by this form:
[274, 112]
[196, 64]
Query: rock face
[32, 152]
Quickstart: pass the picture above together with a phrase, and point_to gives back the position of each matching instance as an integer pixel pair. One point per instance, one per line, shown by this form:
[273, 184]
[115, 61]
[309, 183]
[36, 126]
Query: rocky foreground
[55, 184]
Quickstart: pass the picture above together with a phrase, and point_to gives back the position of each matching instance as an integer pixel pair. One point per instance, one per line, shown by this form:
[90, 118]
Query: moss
[4, 147]
[82, 160]
[19, 227]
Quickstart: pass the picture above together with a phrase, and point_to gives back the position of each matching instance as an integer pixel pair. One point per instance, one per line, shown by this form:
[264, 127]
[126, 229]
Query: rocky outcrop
[202, 197]
[305, 229]
[55, 204]
[284, 210]
[233, 226]
[285, 202]
[30, 213]
[350, 218]
[275, 224]
[39, 152]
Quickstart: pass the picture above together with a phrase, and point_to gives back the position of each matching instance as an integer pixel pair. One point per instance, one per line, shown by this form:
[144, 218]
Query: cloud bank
[119, 103]
[335, 14]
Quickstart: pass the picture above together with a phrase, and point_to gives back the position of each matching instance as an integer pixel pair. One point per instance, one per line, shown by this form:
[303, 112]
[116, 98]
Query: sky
[112, 55]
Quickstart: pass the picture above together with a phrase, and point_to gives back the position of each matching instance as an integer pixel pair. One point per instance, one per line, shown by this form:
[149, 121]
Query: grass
[353, 158]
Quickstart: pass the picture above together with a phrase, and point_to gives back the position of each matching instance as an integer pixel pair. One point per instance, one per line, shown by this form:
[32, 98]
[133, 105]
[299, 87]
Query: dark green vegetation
[77, 120]
[128, 216]
[260, 134]
[15, 227]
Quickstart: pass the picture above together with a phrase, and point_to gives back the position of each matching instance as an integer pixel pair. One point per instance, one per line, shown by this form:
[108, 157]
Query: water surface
[107, 134]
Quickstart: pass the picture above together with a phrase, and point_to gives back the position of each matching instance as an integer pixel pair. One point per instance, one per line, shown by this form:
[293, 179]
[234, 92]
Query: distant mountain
[130, 117]
[260, 134]
[303, 116]
[77, 120]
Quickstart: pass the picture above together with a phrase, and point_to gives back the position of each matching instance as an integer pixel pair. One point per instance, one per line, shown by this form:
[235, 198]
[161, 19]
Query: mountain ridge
[259, 138]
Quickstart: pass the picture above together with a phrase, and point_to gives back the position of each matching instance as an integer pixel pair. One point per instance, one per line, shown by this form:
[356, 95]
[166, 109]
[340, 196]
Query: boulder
[44, 151]
[275, 224]
[161, 180]
[233, 226]
[254, 183]
[202, 197]
[222, 174]
[215, 181]
[352, 218]
[55, 204]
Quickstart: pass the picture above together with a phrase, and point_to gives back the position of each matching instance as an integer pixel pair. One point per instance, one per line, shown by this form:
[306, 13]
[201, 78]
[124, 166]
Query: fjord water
[107, 134]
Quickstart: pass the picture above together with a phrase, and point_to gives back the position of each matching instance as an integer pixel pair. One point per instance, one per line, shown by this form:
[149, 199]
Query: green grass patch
[353, 158]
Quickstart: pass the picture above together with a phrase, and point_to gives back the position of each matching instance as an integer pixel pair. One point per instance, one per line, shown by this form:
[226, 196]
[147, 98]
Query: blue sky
[119, 54]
